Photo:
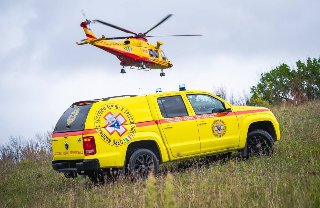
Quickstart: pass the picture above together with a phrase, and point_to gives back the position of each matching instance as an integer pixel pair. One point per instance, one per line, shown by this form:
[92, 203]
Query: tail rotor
[87, 21]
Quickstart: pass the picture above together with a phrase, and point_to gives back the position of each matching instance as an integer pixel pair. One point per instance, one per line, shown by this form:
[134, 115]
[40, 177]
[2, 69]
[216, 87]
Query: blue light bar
[182, 87]
[158, 90]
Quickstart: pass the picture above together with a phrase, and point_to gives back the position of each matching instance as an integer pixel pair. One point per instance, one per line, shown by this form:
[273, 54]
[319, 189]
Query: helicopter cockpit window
[163, 55]
[156, 53]
[151, 53]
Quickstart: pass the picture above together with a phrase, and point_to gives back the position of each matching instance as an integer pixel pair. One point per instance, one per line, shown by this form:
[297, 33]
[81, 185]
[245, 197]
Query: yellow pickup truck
[138, 133]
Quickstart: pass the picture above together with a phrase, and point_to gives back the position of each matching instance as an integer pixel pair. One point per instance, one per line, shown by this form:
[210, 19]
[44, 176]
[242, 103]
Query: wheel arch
[263, 121]
[264, 125]
[143, 144]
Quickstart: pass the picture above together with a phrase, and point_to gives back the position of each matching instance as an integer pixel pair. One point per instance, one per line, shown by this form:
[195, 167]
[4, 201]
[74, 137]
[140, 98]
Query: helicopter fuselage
[133, 51]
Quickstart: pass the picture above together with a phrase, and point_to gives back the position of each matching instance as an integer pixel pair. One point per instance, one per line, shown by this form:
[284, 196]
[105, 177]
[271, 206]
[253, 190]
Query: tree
[284, 84]
[220, 91]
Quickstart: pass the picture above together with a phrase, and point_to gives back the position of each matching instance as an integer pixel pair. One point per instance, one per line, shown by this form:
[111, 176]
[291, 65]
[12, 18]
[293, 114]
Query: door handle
[168, 127]
[202, 123]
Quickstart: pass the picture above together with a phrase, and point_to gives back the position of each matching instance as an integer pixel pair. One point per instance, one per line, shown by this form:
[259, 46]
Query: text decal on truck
[115, 124]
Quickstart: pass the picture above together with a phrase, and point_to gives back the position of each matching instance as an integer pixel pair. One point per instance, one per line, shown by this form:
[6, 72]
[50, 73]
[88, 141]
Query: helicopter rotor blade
[82, 11]
[116, 27]
[167, 17]
[170, 35]
[113, 38]
[88, 21]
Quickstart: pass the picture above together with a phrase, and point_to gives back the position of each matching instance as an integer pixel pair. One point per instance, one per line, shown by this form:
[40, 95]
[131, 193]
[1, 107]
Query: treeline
[239, 99]
[18, 149]
[282, 85]
[288, 85]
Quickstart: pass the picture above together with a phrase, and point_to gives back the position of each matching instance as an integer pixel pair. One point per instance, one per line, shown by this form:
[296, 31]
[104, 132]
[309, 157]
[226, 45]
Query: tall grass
[290, 178]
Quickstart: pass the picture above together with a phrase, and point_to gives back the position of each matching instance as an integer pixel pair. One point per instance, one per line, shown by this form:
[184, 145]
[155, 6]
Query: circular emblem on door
[73, 115]
[66, 145]
[115, 124]
[219, 128]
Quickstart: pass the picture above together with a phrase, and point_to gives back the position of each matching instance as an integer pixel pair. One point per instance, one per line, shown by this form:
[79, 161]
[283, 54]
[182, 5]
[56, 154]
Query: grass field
[290, 178]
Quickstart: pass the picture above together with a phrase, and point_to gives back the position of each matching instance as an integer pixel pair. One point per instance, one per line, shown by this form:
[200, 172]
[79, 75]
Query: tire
[142, 163]
[259, 142]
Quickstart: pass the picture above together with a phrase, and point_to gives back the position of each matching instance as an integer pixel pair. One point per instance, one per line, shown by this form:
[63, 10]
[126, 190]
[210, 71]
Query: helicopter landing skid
[143, 66]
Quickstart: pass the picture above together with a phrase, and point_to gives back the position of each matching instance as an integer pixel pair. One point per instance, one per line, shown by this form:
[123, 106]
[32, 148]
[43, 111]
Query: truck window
[151, 53]
[156, 53]
[172, 106]
[73, 119]
[205, 104]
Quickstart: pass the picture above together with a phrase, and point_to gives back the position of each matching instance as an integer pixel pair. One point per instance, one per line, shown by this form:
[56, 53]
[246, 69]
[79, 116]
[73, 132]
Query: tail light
[89, 145]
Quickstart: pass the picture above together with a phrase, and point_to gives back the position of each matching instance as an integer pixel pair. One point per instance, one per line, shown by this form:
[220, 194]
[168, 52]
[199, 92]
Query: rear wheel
[259, 142]
[142, 163]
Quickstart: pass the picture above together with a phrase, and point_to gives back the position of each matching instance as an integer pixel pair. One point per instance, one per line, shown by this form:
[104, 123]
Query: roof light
[182, 87]
[83, 103]
[158, 90]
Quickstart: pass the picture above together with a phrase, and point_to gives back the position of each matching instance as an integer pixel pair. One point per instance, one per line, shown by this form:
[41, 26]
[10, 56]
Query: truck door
[218, 129]
[180, 132]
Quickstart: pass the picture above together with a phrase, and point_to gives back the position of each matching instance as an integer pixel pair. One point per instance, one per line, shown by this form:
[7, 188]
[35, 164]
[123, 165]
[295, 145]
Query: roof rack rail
[104, 99]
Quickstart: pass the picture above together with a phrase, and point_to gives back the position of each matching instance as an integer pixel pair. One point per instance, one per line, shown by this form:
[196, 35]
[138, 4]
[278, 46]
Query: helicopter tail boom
[87, 31]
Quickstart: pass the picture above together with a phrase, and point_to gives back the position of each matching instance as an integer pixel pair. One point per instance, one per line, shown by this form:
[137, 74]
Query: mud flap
[244, 152]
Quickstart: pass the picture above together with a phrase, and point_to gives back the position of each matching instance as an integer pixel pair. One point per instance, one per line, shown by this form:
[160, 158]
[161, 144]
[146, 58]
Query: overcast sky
[43, 71]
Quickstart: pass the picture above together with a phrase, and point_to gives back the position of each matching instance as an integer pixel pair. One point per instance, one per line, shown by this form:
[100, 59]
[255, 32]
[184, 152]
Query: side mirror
[228, 110]
[221, 110]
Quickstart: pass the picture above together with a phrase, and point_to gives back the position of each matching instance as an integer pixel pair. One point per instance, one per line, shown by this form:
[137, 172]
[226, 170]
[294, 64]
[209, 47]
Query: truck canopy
[74, 118]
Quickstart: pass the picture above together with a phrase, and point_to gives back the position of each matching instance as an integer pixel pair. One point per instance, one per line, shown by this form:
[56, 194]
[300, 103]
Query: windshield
[163, 56]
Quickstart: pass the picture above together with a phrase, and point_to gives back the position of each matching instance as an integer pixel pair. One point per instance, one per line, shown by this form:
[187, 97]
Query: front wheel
[259, 142]
[142, 163]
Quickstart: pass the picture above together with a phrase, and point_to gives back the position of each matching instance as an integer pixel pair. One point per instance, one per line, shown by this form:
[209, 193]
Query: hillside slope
[290, 178]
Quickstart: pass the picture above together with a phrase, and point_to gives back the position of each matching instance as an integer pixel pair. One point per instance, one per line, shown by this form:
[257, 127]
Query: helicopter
[134, 51]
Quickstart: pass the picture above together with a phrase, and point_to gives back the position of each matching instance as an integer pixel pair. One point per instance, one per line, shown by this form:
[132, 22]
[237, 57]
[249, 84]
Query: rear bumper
[78, 166]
